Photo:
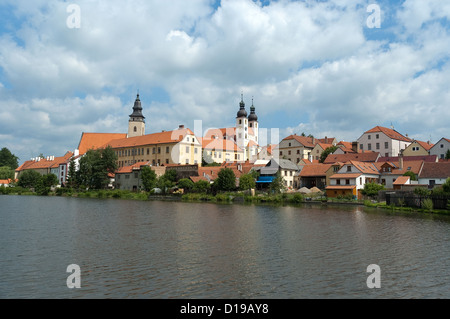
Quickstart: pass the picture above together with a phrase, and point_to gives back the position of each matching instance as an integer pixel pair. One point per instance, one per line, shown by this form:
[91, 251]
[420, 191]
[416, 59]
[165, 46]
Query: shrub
[427, 205]
[297, 198]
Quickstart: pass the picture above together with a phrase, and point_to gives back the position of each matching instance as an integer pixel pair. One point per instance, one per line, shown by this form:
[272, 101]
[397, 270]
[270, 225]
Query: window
[240, 121]
[378, 146]
[442, 145]
[195, 150]
[298, 151]
[361, 146]
[148, 151]
[187, 149]
[386, 145]
[338, 182]
[347, 182]
[135, 129]
[281, 152]
[369, 137]
[154, 150]
[159, 150]
[289, 152]
[349, 168]
[290, 173]
[377, 136]
[136, 175]
[290, 144]
[118, 176]
[187, 161]
[127, 176]
[167, 149]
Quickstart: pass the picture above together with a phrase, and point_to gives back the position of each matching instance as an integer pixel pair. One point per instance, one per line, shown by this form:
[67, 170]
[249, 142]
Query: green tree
[447, 155]
[49, 180]
[148, 177]
[277, 185]
[372, 189]
[446, 186]
[72, 174]
[95, 166]
[412, 176]
[421, 191]
[326, 152]
[30, 179]
[226, 180]
[246, 182]
[201, 186]
[6, 172]
[8, 159]
[167, 181]
[186, 184]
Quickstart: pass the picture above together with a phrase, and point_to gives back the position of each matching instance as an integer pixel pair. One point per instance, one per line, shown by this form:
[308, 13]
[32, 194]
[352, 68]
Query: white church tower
[242, 135]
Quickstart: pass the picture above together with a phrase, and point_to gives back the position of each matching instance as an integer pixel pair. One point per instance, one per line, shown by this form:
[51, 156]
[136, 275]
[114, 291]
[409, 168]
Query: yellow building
[418, 148]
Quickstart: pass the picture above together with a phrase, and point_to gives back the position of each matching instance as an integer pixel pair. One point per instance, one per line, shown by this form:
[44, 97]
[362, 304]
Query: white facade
[380, 142]
[440, 148]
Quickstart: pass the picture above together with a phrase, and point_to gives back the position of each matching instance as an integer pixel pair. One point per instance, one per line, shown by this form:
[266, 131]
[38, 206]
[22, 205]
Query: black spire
[242, 112]
[252, 116]
[137, 109]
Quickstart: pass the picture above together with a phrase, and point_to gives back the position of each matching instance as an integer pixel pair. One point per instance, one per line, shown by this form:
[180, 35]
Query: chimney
[181, 127]
[355, 147]
[400, 159]
[326, 140]
[314, 140]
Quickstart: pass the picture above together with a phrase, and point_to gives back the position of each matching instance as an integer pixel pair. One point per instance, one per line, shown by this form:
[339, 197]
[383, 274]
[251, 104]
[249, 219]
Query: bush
[297, 198]
[427, 204]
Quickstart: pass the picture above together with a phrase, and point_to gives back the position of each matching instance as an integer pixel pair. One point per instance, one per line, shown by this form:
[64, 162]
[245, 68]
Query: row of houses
[296, 157]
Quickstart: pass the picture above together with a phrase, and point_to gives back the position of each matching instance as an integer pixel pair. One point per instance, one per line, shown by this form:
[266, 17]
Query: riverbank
[222, 198]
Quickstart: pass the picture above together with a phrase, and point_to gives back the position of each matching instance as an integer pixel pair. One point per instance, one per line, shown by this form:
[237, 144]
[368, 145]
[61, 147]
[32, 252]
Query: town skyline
[317, 68]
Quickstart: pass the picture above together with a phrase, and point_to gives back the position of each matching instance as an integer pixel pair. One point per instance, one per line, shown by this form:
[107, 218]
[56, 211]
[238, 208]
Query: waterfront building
[44, 166]
[351, 179]
[434, 174]
[384, 140]
[296, 147]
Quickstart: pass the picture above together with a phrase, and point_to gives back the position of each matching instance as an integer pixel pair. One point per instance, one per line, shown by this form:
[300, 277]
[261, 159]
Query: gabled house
[318, 149]
[384, 140]
[287, 171]
[391, 171]
[417, 148]
[433, 174]
[441, 148]
[351, 179]
[315, 175]
[295, 147]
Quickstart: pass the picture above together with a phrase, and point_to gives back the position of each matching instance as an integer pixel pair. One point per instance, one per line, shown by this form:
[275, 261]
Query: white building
[387, 142]
[441, 148]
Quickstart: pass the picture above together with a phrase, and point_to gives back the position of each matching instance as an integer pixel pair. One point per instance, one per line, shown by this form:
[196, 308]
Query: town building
[295, 147]
[434, 174]
[386, 141]
[441, 148]
[286, 168]
[417, 148]
[351, 179]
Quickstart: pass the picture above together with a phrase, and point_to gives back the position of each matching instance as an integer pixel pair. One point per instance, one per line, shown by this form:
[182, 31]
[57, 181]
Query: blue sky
[311, 66]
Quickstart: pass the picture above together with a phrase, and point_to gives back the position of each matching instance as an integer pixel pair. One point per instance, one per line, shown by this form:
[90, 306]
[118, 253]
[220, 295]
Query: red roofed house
[315, 175]
[433, 174]
[295, 147]
[441, 148]
[391, 171]
[384, 140]
[417, 148]
[351, 179]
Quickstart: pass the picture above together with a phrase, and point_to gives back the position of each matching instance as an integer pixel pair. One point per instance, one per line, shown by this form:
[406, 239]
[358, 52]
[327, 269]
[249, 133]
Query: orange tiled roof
[6, 181]
[414, 166]
[424, 145]
[97, 140]
[365, 167]
[168, 137]
[315, 170]
[130, 168]
[390, 133]
[219, 144]
[341, 187]
[44, 163]
[348, 145]
[402, 180]
[362, 157]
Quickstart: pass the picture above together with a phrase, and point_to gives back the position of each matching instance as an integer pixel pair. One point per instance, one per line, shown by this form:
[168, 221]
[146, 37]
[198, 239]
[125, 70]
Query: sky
[333, 68]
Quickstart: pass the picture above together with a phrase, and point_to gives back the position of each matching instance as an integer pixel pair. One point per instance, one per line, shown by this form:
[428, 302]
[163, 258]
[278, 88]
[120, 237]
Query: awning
[265, 179]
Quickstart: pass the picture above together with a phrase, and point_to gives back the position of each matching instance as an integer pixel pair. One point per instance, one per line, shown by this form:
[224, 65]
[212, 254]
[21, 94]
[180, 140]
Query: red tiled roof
[97, 140]
[414, 166]
[390, 133]
[195, 179]
[435, 170]
[168, 137]
[362, 157]
[425, 158]
[424, 145]
[44, 163]
[219, 144]
[129, 169]
[365, 167]
[402, 180]
[315, 170]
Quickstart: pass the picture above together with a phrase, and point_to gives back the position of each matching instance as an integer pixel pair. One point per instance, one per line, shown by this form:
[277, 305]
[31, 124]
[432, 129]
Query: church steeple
[252, 117]
[136, 123]
[242, 112]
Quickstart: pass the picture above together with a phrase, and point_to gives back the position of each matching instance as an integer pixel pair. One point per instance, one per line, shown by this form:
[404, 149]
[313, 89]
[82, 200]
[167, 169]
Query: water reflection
[131, 249]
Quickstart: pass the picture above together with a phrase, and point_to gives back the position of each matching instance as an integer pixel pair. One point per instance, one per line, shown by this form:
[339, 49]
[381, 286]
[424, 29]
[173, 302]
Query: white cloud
[309, 61]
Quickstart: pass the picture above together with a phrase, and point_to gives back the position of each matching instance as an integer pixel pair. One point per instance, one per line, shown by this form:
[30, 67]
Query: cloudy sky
[319, 67]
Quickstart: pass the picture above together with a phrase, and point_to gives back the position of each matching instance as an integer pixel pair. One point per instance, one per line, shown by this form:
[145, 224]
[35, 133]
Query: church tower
[242, 137]
[253, 123]
[136, 123]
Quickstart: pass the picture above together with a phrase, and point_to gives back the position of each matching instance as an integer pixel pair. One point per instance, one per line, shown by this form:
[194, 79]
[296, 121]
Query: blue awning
[265, 179]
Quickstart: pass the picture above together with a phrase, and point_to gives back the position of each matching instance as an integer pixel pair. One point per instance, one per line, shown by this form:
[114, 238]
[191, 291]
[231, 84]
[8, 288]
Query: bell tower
[136, 123]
